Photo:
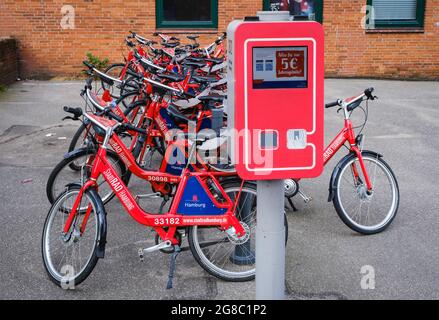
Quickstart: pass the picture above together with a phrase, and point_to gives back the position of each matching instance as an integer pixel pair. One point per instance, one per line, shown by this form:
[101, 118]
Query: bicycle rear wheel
[220, 254]
[363, 212]
[115, 71]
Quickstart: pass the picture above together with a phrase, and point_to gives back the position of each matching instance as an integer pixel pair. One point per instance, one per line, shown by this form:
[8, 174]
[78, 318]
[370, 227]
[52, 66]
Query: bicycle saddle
[172, 77]
[196, 59]
[170, 44]
[201, 79]
[194, 64]
[215, 98]
[215, 60]
[176, 114]
[192, 46]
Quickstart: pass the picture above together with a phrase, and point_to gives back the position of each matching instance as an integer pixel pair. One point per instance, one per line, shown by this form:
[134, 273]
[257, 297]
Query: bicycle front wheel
[362, 211]
[70, 257]
[220, 254]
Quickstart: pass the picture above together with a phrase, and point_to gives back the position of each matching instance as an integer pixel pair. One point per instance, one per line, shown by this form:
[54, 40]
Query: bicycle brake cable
[366, 113]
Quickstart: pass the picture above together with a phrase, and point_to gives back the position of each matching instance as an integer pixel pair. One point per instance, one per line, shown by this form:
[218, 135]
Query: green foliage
[2, 88]
[97, 61]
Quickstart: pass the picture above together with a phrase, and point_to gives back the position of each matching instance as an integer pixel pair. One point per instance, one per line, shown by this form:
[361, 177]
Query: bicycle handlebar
[88, 64]
[147, 62]
[368, 93]
[221, 38]
[130, 127]
[333, 104]
[138, 76]
[112, 115]
[77, 112]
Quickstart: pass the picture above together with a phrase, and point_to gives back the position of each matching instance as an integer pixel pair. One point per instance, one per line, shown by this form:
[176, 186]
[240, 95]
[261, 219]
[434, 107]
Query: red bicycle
[217, 209]
[363, 187]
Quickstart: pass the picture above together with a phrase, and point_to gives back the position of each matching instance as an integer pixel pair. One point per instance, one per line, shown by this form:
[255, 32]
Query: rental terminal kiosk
[275, 112]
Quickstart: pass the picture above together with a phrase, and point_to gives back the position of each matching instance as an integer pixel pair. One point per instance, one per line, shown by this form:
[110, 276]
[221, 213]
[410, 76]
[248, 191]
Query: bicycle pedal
[149, 195]
[160, 246]
[305, 198]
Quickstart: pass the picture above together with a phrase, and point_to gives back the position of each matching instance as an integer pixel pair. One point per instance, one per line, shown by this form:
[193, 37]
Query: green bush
[97, 61]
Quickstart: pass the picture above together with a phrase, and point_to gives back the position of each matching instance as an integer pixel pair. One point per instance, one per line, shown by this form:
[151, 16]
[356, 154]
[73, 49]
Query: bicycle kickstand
[292, 204]
[174, 255]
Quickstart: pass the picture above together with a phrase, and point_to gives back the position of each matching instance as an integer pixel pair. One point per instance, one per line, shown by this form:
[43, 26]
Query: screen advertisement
[280, 67]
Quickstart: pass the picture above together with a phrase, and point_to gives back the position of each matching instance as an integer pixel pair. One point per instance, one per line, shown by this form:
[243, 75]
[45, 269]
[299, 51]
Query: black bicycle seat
[201, 79]
[196, 59]
[215, 60]
[214, 98]
[173, 77]
[176, 114]
[170, 44]
[194, 64]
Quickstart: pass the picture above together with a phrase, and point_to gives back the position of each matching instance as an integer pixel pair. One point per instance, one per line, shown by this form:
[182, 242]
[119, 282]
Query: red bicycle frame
[347, 134]
[172, 219]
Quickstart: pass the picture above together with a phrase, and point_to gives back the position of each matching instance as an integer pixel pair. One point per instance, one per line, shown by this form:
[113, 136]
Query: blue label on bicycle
[167, 119]
[176, 160]
[196, 202]
[206, 123]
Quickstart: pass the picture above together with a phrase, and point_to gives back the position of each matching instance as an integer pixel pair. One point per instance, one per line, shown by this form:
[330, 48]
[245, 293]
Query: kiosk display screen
[280, 67]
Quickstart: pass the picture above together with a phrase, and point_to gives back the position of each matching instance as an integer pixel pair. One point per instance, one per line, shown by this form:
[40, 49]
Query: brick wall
[352, 52]
[8, 61]
[100, 25]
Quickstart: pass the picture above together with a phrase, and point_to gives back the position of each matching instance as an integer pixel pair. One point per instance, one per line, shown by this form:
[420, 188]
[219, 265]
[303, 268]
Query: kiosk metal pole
[270, 240]
[270, 230]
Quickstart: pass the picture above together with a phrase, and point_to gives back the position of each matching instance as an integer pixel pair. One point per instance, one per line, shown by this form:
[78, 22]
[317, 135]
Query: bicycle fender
[75, 152]
[133, 105]
[332, 186]
[102, 219]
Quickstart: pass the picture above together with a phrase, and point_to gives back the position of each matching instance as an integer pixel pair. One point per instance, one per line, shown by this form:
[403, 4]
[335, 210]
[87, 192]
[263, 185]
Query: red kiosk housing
[275, 98]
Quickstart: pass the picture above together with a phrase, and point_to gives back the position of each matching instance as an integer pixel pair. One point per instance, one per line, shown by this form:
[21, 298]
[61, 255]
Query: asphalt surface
[324, 257]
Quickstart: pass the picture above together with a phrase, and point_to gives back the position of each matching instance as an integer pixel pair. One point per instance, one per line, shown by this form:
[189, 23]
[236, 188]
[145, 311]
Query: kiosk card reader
[275, 97]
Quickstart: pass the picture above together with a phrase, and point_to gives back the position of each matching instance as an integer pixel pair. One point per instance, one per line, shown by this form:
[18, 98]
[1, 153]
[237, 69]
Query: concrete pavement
[324, 257]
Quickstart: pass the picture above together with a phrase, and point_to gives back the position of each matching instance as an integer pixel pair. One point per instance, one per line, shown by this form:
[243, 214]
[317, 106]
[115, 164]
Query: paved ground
[324, 257]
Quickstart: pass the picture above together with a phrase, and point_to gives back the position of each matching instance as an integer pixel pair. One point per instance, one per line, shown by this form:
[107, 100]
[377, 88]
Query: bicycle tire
[98, 206]
[340, 208]
[204, 261]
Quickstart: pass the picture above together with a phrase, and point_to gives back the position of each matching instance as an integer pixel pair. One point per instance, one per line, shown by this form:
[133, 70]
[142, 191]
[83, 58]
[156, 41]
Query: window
[311, 9]
[397, 13]
[187, 13]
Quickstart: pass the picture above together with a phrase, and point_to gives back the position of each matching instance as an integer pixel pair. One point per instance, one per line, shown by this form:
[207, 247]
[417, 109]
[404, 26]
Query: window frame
[416, 23]
[161, 23]
[318, 9]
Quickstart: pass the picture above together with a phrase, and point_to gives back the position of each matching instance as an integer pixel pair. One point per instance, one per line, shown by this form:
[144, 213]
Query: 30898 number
[157, 178]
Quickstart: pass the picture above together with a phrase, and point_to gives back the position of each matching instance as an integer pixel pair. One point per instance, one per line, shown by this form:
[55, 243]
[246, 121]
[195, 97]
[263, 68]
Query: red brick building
[400, 39]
